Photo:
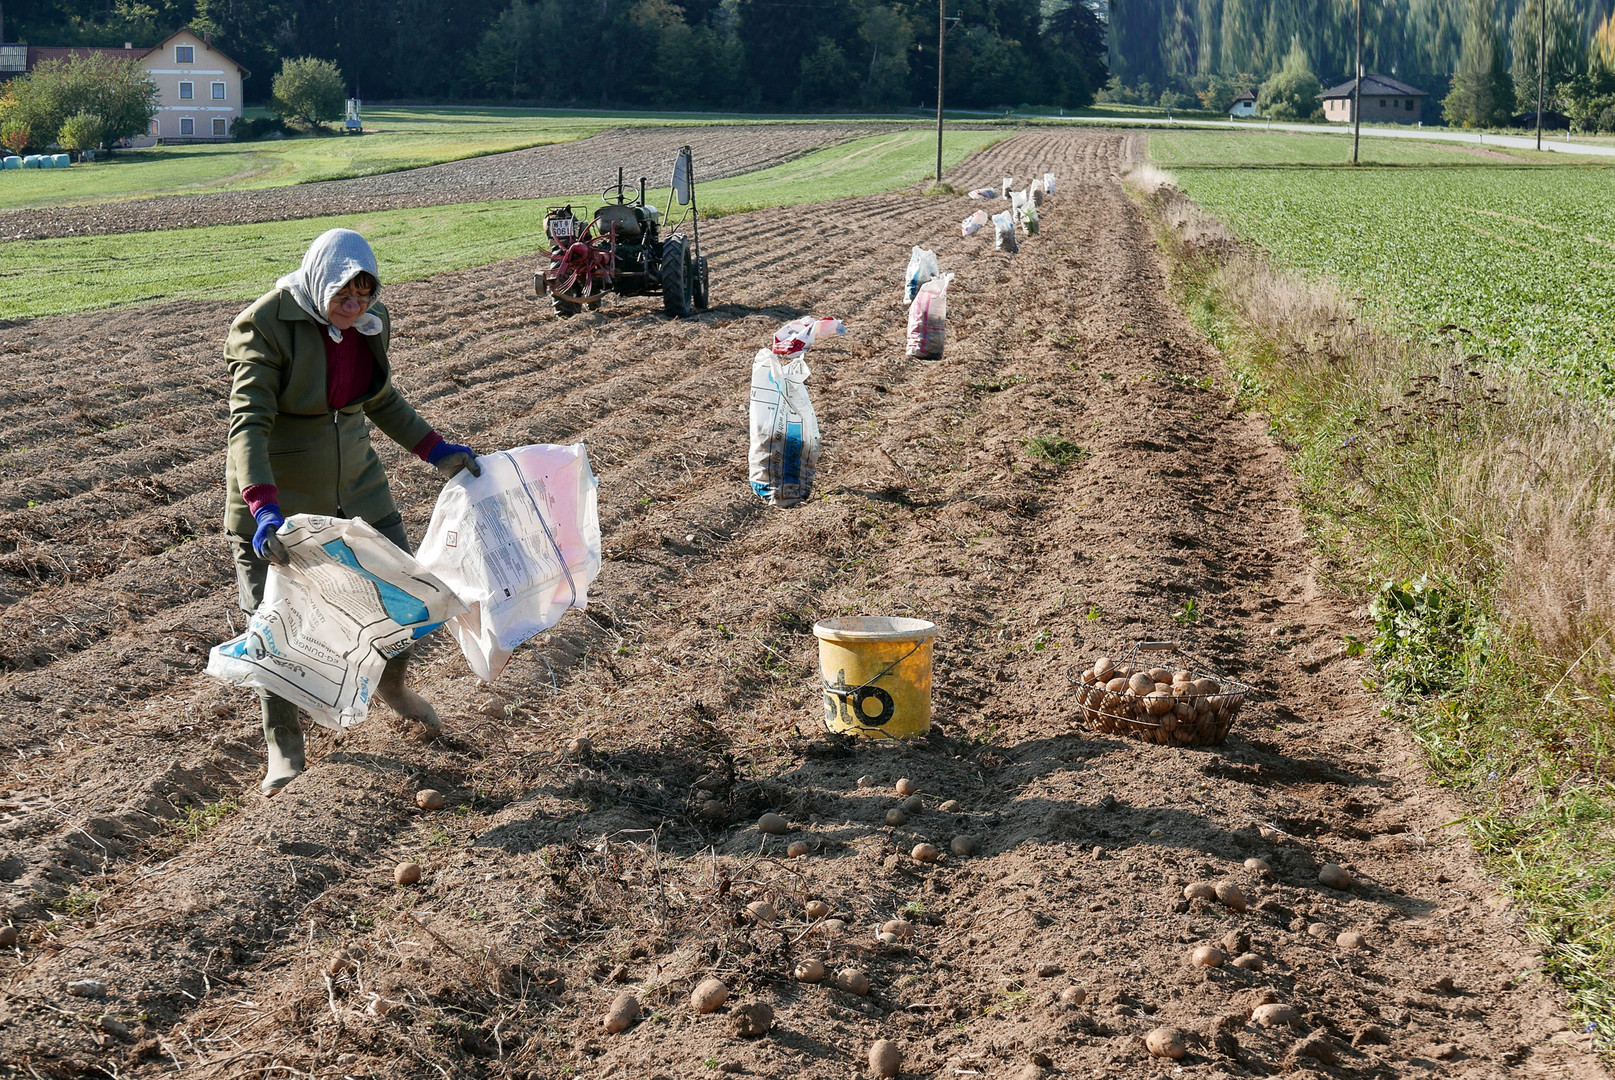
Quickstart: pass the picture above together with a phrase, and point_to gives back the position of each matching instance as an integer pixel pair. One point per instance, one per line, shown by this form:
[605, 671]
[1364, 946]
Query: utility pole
[941, 29]
[1541, 67]
[1357, 89]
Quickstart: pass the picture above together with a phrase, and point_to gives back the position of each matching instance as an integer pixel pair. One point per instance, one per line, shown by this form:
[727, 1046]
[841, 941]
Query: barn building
[1243, 105]
[1384, 99]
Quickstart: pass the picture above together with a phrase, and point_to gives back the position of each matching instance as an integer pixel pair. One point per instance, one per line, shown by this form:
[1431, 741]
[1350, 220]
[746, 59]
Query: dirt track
[553, 884]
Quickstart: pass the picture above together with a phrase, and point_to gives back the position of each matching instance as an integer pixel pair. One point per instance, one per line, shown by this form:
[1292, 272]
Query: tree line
[797, 55]
[1477, 59]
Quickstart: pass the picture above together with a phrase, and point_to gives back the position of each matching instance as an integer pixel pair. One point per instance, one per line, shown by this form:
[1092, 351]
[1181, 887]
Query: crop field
[393, 139]
[59, 275]
[1073, 476]
[1521, 257]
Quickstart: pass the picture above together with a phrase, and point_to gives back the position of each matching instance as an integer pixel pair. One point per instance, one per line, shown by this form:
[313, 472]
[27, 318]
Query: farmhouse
[1384, 98]
[199, 87]
[1243, 105]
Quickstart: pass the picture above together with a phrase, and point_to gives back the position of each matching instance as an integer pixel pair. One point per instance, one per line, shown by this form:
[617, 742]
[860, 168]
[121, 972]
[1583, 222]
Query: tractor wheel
[703, 284]
[676, 275]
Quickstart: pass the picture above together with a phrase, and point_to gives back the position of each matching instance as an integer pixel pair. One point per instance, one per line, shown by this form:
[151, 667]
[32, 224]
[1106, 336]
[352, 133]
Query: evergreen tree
[1482, 92]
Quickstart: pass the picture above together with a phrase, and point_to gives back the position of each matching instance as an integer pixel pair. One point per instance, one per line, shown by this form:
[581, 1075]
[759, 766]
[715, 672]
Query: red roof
[38, 53]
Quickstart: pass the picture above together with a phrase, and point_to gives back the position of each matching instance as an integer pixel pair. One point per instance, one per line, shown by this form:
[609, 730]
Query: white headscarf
[332, 260]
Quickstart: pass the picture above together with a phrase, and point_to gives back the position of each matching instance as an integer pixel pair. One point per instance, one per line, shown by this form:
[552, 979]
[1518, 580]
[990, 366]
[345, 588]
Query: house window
[184, 54]
[1409, 104]
[1382, 103]
[218, 91]
[220, 127]
[187, 125]
[156, 129]
[187, 91]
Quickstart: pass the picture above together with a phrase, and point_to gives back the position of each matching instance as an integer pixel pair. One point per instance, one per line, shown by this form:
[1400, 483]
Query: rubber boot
[406, 702]
[283, 736]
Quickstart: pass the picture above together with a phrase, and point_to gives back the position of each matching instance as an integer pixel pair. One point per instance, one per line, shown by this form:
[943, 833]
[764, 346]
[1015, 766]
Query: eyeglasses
[348, 299]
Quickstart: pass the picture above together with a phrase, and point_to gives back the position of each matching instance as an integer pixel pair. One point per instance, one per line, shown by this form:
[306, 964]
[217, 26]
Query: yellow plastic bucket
[876, 675]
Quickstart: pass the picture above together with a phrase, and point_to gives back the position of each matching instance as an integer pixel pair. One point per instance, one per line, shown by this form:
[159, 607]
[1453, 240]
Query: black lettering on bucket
[848, 704]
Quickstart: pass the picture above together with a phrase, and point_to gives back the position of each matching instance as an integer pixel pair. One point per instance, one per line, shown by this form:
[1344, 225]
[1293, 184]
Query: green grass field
[53, 277]
[394, 139]
[1520, 256]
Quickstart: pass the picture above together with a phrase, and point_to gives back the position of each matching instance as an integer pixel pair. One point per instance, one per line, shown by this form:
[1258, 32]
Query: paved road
[1558, 144]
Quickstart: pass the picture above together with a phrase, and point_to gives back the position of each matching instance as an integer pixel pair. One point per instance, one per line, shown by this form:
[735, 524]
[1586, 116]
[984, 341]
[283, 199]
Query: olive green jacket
[283, 432]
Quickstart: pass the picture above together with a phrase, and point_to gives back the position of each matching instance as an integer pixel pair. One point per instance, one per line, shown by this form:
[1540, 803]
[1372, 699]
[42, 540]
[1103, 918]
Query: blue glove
[450, 458]
[264, 541]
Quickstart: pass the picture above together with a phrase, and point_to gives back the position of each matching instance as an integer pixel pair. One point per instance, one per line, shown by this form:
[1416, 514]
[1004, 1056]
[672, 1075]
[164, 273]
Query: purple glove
[450, 458]
[264, 541]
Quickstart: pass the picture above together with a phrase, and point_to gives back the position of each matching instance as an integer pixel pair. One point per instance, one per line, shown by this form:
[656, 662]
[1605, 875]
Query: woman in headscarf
[308, 365]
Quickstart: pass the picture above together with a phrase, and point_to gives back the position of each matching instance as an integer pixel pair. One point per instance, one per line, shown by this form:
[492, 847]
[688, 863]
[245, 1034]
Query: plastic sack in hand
[927, 319]
[784, 431]
[519, 545]
[984, 193]
[1048, 183]
[348, 601]
[974, 223]
[921, 268]
[1004, 233]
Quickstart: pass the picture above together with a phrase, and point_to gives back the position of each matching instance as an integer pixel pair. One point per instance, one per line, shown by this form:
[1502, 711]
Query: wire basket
[1188, 708]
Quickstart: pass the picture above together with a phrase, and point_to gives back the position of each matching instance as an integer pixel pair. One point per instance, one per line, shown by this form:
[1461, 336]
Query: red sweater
[349, 369]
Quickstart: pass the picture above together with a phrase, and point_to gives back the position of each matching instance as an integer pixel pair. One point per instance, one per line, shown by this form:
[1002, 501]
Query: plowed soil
[559, 169]
[1061, 485]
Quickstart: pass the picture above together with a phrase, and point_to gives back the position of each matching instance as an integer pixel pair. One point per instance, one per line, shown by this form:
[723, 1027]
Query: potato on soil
[407, 873]
[1335, 877]
[902, 928]
[949, 806]
[579, 747]
[752, 1019]
[1207, 956]
[1231, 896]
[913, 804]
[429, 799]
[1248, 962]
[852, 981]
[1258, 866]
[773, 824]
[964, 845]
[1200, 890]
[622, 1015]
[762, 911]
[8, 936]
[708, 996]
[905, 786]
[810, 971]
[1274, 1015]
[797, 849]
[1073, 995]
[885, 1060]
[866, 781]
[896, 818]
[1166, 1042]
[1352, 941]
[816, 909]
[925, 853]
